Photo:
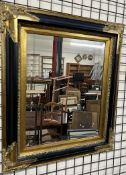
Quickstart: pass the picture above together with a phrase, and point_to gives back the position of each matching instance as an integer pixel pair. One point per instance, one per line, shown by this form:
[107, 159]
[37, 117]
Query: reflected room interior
[64, 85]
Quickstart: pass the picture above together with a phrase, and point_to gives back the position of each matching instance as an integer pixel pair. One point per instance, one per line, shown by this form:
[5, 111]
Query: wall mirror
[60, 77]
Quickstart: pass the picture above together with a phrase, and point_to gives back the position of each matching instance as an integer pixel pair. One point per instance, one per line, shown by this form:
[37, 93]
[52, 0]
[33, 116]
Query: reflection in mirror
[64, 84]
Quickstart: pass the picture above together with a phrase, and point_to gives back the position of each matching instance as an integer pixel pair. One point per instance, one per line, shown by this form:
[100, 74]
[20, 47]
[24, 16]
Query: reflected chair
[51, 121]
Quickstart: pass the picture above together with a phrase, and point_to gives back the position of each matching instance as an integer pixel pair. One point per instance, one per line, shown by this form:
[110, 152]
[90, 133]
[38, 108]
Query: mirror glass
[63, 88]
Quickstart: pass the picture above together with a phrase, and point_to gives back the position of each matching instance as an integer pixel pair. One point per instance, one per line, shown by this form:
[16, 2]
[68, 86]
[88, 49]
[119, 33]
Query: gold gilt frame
[18, 21]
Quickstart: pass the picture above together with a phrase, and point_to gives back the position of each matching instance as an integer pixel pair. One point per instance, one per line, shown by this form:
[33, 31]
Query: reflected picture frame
[18, 21]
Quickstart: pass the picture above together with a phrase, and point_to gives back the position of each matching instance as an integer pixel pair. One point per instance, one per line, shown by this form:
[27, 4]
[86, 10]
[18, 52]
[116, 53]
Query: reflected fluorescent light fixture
[88, 45]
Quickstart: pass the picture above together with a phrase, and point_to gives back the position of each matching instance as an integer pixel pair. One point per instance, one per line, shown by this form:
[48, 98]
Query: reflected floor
[72, 134]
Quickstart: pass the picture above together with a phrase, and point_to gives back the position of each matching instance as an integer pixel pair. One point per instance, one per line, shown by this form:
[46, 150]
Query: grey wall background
[106, 163]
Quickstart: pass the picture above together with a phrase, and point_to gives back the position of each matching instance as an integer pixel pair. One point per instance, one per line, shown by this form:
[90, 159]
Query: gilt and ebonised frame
[17, 21]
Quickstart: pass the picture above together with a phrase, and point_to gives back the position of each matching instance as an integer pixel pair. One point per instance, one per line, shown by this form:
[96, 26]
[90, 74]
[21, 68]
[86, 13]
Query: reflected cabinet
[59, 77]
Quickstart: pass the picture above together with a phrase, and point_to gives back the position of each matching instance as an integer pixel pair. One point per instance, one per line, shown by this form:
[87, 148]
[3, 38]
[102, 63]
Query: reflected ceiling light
[88, 45]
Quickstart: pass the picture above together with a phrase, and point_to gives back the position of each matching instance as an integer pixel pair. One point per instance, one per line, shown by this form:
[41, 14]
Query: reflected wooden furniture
[44, 93]
[83, 124]
[47, 65]
[44, 118]
[52, 121]
[75, 67]
[93, 105]
[84, 120]
[38, 65]
[31, 125]
[84, 85]
[74, 92]
[92, 95]
[34, 65]
[86, 70]
[58, 80]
